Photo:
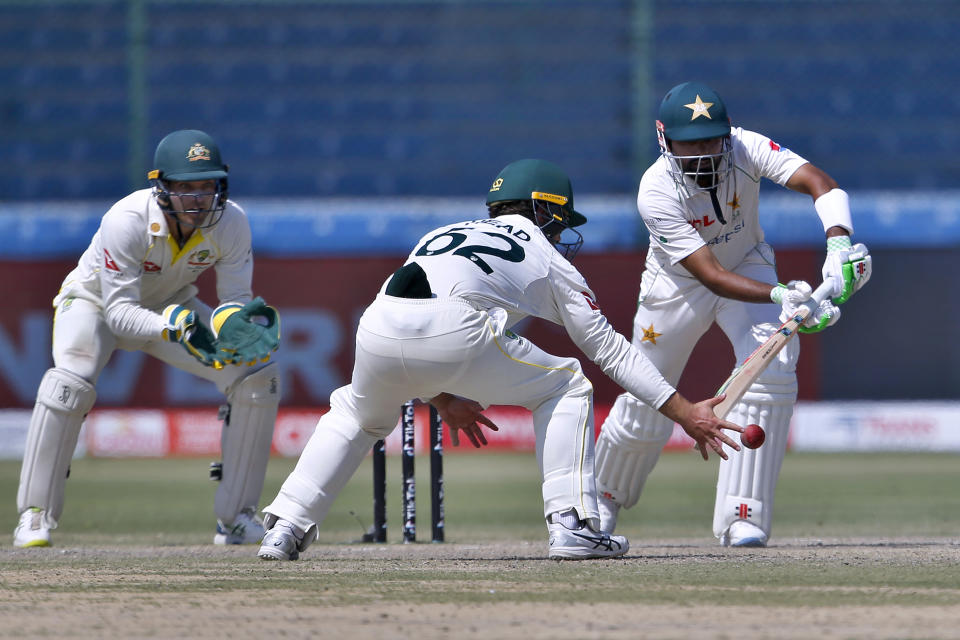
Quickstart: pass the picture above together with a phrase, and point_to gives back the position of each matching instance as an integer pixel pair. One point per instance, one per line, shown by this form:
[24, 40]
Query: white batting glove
[848, 267]
[825, 316]
[790, 296]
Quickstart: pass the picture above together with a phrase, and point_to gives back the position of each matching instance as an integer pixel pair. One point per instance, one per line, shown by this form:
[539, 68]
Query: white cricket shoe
[246, 528]
[281, 543]
[583, 543]
[609, 510]
[32, 530]
[743, 534]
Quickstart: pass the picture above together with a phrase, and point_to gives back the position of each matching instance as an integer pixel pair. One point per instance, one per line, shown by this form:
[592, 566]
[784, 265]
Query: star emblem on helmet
[699, 108]
[649, 335]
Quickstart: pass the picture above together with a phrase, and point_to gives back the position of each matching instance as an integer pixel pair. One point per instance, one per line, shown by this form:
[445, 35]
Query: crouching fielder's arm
[628, 367]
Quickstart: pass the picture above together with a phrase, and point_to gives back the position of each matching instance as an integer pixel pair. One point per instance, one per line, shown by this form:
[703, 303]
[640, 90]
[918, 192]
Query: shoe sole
[273, 554]
[749, 542]
[33, 543]
[579, 553]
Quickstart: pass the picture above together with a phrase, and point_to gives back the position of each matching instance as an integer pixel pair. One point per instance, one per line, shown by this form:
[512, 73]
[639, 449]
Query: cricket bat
[745, 375]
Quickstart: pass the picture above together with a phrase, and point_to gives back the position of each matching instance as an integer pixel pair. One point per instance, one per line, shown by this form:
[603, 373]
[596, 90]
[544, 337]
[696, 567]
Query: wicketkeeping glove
[183, 327]
[246, 334]
[849, 267]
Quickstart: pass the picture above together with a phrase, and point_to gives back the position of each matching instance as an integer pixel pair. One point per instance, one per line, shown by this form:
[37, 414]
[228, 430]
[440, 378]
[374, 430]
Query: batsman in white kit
[707, 263]
[440, 328]
[133, 289]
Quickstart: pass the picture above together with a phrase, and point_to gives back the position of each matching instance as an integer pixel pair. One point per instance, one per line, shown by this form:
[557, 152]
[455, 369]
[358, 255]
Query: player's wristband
[833, 207]
[776, 294]
[838, 243]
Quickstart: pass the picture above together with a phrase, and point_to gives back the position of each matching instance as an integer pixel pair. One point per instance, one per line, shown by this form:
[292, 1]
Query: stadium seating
[330, 99]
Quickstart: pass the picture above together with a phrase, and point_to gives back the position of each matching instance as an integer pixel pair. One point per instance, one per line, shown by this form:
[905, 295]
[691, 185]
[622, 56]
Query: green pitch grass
[497, 496]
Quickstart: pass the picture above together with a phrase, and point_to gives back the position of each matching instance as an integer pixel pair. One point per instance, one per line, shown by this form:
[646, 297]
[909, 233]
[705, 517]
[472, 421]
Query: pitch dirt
[800, 589]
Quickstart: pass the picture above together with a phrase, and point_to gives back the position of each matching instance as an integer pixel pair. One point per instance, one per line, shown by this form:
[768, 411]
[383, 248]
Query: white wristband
[833, 207]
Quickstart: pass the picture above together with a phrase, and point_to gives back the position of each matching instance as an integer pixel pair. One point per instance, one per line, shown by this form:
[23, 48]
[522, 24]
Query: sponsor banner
[13, 435]
[155, 433]
[129, 433]
[816, 426]
[876, 426]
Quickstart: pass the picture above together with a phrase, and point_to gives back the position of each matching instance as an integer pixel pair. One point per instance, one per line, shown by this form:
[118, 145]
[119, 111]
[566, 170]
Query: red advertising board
[320, 301]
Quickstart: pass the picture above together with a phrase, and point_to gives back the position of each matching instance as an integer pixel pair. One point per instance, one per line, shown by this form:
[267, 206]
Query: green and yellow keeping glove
[246, 334]
[182, 326]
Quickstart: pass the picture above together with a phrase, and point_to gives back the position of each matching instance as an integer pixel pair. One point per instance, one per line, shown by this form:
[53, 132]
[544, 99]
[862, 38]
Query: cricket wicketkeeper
[133, 289]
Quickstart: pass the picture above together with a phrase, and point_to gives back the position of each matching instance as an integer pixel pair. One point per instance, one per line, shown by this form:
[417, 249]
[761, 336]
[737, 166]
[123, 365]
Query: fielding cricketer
[440, 329]
[707, 263]
[133, 289]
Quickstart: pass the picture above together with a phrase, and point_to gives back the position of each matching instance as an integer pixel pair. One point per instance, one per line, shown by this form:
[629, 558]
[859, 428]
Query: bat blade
[748, 372]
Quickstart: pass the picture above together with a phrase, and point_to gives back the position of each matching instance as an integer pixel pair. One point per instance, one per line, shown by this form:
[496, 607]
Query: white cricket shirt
[679, 225]
[507, 263]
[133, 268]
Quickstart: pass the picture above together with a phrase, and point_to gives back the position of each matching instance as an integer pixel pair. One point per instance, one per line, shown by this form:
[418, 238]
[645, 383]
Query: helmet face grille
[699, 172]
[188, 213]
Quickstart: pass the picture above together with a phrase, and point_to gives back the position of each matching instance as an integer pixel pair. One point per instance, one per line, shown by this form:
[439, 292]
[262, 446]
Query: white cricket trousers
[420, 348]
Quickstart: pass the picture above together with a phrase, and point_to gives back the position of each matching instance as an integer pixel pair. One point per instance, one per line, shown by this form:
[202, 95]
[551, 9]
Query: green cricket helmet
[693, 111]
[548, 190]
[190, 155]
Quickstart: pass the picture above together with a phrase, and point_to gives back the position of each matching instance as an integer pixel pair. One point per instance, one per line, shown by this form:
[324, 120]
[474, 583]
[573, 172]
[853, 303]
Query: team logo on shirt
[590, 301]
[774, 146]
[699, 108]
[198, 152]
[510, 334]
[109, 263]
[735, 203]
[199, 258]
[649, 335]
[150, 267]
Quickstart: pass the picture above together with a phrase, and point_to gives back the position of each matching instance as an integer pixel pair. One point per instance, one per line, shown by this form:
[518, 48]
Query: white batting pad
[630, 442]
[245, 441]
[63, 400]
[749, 477]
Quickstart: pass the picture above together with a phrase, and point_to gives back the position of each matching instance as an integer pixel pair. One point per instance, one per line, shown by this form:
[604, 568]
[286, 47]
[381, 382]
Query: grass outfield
[865, 546]
[497, 496]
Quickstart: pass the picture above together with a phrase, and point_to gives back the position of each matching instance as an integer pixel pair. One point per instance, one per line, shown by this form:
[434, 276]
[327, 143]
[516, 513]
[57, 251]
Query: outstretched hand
[461, 414]
[701, 423]
[707, 429]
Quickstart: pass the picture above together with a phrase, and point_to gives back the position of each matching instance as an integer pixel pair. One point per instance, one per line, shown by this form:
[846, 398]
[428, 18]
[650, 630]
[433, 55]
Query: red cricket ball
[753, 436]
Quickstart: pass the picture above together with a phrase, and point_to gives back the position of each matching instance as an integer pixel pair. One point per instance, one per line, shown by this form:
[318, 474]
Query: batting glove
[848, 267]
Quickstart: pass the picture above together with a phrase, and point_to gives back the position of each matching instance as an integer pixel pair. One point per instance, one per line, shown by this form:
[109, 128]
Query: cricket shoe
[583, 543]
[743, 534]
[246, 528]
[32, 530]
[609, 510]
[281, 542]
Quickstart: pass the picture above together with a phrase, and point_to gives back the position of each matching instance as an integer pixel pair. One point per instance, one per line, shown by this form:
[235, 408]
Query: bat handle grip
[821, 293]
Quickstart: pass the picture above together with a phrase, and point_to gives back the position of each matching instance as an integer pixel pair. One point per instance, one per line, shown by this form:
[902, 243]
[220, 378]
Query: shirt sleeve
[590, 330]
[235, 265]
[771, 160]
[669, 229]
[123, 246]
